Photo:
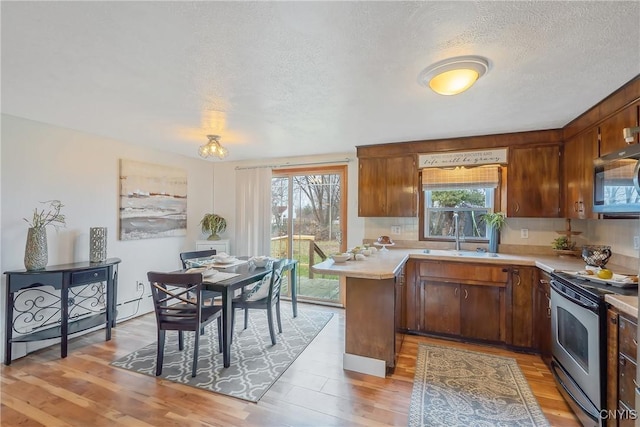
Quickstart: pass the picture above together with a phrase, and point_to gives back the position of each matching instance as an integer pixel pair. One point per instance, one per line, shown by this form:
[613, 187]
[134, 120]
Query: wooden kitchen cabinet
[457, 299]
[579, 153]
[521, 308]
[542, 316]
[621, 365]
[611, 138]
[533, 182]
[388, 187]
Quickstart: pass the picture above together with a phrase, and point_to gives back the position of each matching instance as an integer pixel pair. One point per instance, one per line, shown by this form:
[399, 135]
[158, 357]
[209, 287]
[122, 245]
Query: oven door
[575, 326]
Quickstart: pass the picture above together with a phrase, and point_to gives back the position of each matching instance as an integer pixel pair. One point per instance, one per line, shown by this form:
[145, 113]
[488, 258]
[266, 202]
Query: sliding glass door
[308, 224]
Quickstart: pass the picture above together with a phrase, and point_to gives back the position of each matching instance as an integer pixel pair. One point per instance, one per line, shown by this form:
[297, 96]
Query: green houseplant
[36, 254]
[494, 221]
[213, 224]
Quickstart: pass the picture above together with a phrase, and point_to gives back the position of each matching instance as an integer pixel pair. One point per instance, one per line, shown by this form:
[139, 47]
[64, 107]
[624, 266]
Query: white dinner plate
[227, 260]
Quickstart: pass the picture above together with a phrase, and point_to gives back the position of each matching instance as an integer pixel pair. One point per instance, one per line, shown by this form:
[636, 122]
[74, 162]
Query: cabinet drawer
[464, 272]
[626, 375]
[628, 332]
[89, 276]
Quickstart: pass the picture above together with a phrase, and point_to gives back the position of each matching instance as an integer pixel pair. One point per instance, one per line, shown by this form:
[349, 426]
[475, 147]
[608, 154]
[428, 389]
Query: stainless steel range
[578, 316]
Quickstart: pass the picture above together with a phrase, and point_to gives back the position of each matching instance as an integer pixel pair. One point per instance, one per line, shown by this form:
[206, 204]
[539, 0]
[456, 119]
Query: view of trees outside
[313, 213]
[470, 204]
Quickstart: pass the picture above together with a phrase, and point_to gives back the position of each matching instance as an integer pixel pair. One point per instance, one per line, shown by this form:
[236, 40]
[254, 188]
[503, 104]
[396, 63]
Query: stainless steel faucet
[456, 231]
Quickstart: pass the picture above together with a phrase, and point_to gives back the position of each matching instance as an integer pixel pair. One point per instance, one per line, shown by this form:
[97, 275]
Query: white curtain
[253, 211]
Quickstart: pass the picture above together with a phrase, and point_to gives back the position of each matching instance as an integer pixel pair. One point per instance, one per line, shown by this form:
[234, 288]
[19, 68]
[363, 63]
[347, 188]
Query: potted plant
[36, 253]
[213, 224]
[494, 221]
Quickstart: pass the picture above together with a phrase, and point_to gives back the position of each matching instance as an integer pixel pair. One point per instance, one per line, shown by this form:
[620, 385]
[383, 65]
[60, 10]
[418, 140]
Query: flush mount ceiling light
[454, 75]
[213, 148]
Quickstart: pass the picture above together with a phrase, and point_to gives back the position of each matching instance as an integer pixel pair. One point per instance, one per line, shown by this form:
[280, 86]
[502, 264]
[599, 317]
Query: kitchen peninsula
[378, 302]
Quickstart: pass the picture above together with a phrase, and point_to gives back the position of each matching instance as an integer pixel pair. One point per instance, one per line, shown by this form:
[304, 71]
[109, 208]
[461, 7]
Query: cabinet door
[522, 279]
[481, 309]
[579, 153]
[611, 138]
[533, 182]
[372, 192]
[402, 186]
[441, 308]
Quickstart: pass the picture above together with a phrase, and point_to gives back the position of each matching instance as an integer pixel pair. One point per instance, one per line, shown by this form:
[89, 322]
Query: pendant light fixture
[213, 148]
[454, 75]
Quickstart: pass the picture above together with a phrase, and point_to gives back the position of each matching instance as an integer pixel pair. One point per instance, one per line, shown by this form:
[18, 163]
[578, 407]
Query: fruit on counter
[605, 274]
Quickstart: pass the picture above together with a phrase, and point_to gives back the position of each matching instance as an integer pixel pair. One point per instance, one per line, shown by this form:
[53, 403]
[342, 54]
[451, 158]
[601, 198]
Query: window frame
[422, 215]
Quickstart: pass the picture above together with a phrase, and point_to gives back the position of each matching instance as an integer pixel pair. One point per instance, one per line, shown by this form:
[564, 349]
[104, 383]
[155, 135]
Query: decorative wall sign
[153, 201]
[462, 158]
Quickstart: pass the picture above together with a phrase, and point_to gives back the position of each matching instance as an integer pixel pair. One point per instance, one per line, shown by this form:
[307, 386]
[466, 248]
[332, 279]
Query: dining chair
[176, 310]
[186, 256]
[263, 296]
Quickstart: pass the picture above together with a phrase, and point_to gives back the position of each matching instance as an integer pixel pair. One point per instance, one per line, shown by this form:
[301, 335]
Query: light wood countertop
[387, 264]
[625, 304]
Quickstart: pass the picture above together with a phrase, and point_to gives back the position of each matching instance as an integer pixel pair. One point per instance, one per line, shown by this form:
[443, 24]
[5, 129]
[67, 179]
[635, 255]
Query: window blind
[460, 177]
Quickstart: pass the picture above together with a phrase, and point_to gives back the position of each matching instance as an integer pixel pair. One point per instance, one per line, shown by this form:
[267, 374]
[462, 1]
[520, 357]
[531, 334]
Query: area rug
[255, 363]
[454, 387]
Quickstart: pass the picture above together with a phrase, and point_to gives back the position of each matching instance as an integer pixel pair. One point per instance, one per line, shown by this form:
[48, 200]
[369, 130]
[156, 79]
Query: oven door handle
[589, 305]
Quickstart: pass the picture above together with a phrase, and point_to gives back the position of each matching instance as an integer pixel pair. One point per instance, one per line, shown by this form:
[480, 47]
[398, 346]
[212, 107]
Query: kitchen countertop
[626, 304]
[387, 264]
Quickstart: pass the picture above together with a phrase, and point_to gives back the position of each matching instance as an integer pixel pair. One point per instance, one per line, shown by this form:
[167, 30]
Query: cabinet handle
[549, 312]
[575, 207]
[614, 320]
[455, 292]
[544, 281]
[516, 207]
[581, 206]
[635, 342]
[95, 274]
[517, 274]
[466, 294]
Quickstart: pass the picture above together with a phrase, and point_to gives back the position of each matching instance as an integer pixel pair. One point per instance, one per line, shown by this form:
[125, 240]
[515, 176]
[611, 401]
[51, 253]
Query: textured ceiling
[278, 79]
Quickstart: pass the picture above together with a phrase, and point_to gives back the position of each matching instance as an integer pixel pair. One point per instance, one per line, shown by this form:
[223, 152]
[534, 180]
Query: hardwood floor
[84, 390]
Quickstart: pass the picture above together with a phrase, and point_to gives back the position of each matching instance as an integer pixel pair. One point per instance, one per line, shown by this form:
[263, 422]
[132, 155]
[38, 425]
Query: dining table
[246, 274]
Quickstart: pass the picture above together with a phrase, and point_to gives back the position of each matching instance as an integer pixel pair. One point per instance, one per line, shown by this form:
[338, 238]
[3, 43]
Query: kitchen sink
[460, 253]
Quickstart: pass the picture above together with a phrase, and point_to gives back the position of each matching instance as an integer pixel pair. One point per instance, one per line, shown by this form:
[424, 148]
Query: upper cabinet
[611, 138]
[388, 187]
[533, 181]
[579, 153]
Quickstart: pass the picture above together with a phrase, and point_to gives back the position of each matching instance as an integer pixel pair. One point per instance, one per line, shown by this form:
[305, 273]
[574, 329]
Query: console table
[66, 314]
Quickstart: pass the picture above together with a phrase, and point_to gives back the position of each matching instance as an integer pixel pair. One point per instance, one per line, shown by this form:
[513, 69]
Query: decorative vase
[213, 236]
[493, 240]
[36, 254]
[97, 244]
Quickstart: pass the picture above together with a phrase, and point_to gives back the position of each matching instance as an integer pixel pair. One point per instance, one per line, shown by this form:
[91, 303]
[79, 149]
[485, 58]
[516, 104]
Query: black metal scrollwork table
[87, 299]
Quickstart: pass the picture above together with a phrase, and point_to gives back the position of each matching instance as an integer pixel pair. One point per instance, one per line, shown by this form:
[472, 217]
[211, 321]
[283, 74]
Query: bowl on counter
[261, 261]
[341, 257]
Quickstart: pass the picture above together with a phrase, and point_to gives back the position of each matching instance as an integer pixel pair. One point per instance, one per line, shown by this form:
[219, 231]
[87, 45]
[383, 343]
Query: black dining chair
[263, 296]
[186, 256]
[176, 310]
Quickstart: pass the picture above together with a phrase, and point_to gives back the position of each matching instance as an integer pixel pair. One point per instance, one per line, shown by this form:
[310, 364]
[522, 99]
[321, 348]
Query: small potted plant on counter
[213, 224]
[494, 221]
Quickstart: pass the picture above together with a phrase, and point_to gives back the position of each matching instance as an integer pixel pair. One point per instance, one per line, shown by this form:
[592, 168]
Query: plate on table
[226, 260]
[206, 272]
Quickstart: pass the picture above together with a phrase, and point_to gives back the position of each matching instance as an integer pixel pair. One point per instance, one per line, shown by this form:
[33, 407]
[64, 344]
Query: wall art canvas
[153, 201]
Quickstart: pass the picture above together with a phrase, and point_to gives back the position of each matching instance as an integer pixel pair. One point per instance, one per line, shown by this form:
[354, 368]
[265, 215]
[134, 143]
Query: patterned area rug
[455, 387]
[255, 363]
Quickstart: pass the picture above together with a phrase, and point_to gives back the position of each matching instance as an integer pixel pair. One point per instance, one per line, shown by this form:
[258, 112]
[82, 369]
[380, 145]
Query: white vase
[36, 254]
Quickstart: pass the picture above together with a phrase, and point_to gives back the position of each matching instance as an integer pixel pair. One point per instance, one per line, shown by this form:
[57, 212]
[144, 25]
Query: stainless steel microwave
[616, 190]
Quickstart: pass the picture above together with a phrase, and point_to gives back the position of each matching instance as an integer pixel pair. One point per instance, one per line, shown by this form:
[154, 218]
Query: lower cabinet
[621, 370]
[484, 302]
[457, 299]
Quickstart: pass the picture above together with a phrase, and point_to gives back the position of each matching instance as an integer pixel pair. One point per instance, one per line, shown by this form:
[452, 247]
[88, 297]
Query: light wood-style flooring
[84, 390]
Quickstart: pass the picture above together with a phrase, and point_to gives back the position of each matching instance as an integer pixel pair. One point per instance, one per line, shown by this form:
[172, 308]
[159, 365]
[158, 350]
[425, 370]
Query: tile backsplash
[617, 233]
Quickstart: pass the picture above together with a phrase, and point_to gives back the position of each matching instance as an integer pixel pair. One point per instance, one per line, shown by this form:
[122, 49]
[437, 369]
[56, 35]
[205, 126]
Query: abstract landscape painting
[153, 201]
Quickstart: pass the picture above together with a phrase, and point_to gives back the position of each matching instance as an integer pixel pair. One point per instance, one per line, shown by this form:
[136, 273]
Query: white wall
[40, 162]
